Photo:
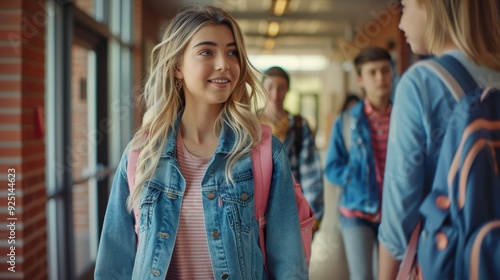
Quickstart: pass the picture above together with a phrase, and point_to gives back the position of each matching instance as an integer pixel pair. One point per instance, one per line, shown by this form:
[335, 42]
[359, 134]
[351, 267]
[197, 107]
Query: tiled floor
[328, 258]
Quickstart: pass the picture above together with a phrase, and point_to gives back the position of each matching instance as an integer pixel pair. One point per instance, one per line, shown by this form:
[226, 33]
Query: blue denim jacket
[353, 170]
[235, 252]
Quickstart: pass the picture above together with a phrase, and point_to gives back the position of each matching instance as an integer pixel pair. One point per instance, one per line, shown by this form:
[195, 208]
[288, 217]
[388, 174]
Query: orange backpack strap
[262, 165]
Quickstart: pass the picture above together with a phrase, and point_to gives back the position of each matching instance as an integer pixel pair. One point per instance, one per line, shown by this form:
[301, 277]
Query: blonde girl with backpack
[468, 30]
[194, 188]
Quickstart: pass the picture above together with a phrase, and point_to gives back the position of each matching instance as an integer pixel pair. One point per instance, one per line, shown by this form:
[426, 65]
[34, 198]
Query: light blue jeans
[361, 247]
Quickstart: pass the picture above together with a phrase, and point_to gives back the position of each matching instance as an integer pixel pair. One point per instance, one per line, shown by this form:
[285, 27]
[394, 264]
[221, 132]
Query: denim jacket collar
[357, 111]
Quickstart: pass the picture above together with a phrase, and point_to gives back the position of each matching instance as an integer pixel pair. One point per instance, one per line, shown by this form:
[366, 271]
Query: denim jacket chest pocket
[237, 200]
[149, 201]
[147, 204]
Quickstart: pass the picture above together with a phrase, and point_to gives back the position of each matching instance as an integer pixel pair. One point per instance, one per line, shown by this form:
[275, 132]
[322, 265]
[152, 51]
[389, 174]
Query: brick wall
[22, 148]
[79, 135]
[79, 154]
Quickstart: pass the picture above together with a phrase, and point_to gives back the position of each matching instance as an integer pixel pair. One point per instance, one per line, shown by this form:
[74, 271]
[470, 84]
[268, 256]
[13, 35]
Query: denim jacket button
[224, 276]
[443, 202]
[441, 241]
[244, 196]
[155, 272]
[211, 195]
[423, 234]
[164, 235]
[216, 234]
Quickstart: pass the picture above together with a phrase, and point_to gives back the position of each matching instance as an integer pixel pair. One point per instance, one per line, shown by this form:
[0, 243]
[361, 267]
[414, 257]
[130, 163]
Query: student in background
[469, 30]
[194, 187]
[298, 137]
[355, 161]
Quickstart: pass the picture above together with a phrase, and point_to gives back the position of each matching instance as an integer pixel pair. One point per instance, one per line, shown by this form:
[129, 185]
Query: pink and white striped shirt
[191, 256]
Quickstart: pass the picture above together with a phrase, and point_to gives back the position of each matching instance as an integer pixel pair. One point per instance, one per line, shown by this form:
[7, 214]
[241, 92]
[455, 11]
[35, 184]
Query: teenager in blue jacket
[355, 160]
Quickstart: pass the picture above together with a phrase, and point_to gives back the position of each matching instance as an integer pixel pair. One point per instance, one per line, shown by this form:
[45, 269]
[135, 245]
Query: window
[89, 117]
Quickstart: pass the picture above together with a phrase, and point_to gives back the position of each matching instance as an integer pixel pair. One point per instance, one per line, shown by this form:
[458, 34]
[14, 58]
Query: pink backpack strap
[410, 254]
[133, 155]
[262, 165]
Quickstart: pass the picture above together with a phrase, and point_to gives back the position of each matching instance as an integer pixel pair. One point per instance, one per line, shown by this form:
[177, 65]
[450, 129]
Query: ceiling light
[269, 43]
[273, 29]
[280, 7]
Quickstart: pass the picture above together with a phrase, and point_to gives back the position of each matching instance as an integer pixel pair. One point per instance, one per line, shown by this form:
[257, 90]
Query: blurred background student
[355, 161]
[298, 137]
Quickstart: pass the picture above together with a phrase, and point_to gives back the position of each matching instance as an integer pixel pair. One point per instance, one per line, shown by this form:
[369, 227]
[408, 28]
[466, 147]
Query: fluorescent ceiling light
[280, 7]
[290, 62]
[273, 29]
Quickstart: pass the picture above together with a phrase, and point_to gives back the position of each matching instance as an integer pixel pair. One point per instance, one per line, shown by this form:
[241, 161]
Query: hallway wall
[23, 246]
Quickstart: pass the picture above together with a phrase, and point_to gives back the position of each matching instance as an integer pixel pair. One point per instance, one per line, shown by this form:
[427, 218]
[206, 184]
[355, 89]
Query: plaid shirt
[306, 166]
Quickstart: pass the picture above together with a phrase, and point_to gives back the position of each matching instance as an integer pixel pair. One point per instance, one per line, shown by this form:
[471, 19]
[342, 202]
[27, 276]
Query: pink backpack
[262, 164]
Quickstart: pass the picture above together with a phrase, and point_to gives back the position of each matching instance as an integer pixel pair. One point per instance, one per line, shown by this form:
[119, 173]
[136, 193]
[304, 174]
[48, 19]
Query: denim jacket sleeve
[311, 172]
[404, 181]
[117, 246]
[337, 157]
[284, 251]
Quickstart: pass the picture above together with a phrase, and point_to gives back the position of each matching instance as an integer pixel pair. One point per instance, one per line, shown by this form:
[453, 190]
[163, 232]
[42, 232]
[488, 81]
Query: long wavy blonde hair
[472, 25]
[164, 102]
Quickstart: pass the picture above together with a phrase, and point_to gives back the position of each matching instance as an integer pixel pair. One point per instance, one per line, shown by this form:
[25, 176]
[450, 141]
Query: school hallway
[71, 74]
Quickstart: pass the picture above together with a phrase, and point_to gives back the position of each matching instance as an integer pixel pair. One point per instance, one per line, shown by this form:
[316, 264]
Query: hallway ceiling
[306, 27]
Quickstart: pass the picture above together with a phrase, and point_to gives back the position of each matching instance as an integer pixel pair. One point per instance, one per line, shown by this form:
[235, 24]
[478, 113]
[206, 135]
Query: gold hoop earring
[178, 84]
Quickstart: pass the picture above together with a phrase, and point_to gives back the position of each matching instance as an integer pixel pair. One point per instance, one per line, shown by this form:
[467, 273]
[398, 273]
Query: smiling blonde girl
[194, 186]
